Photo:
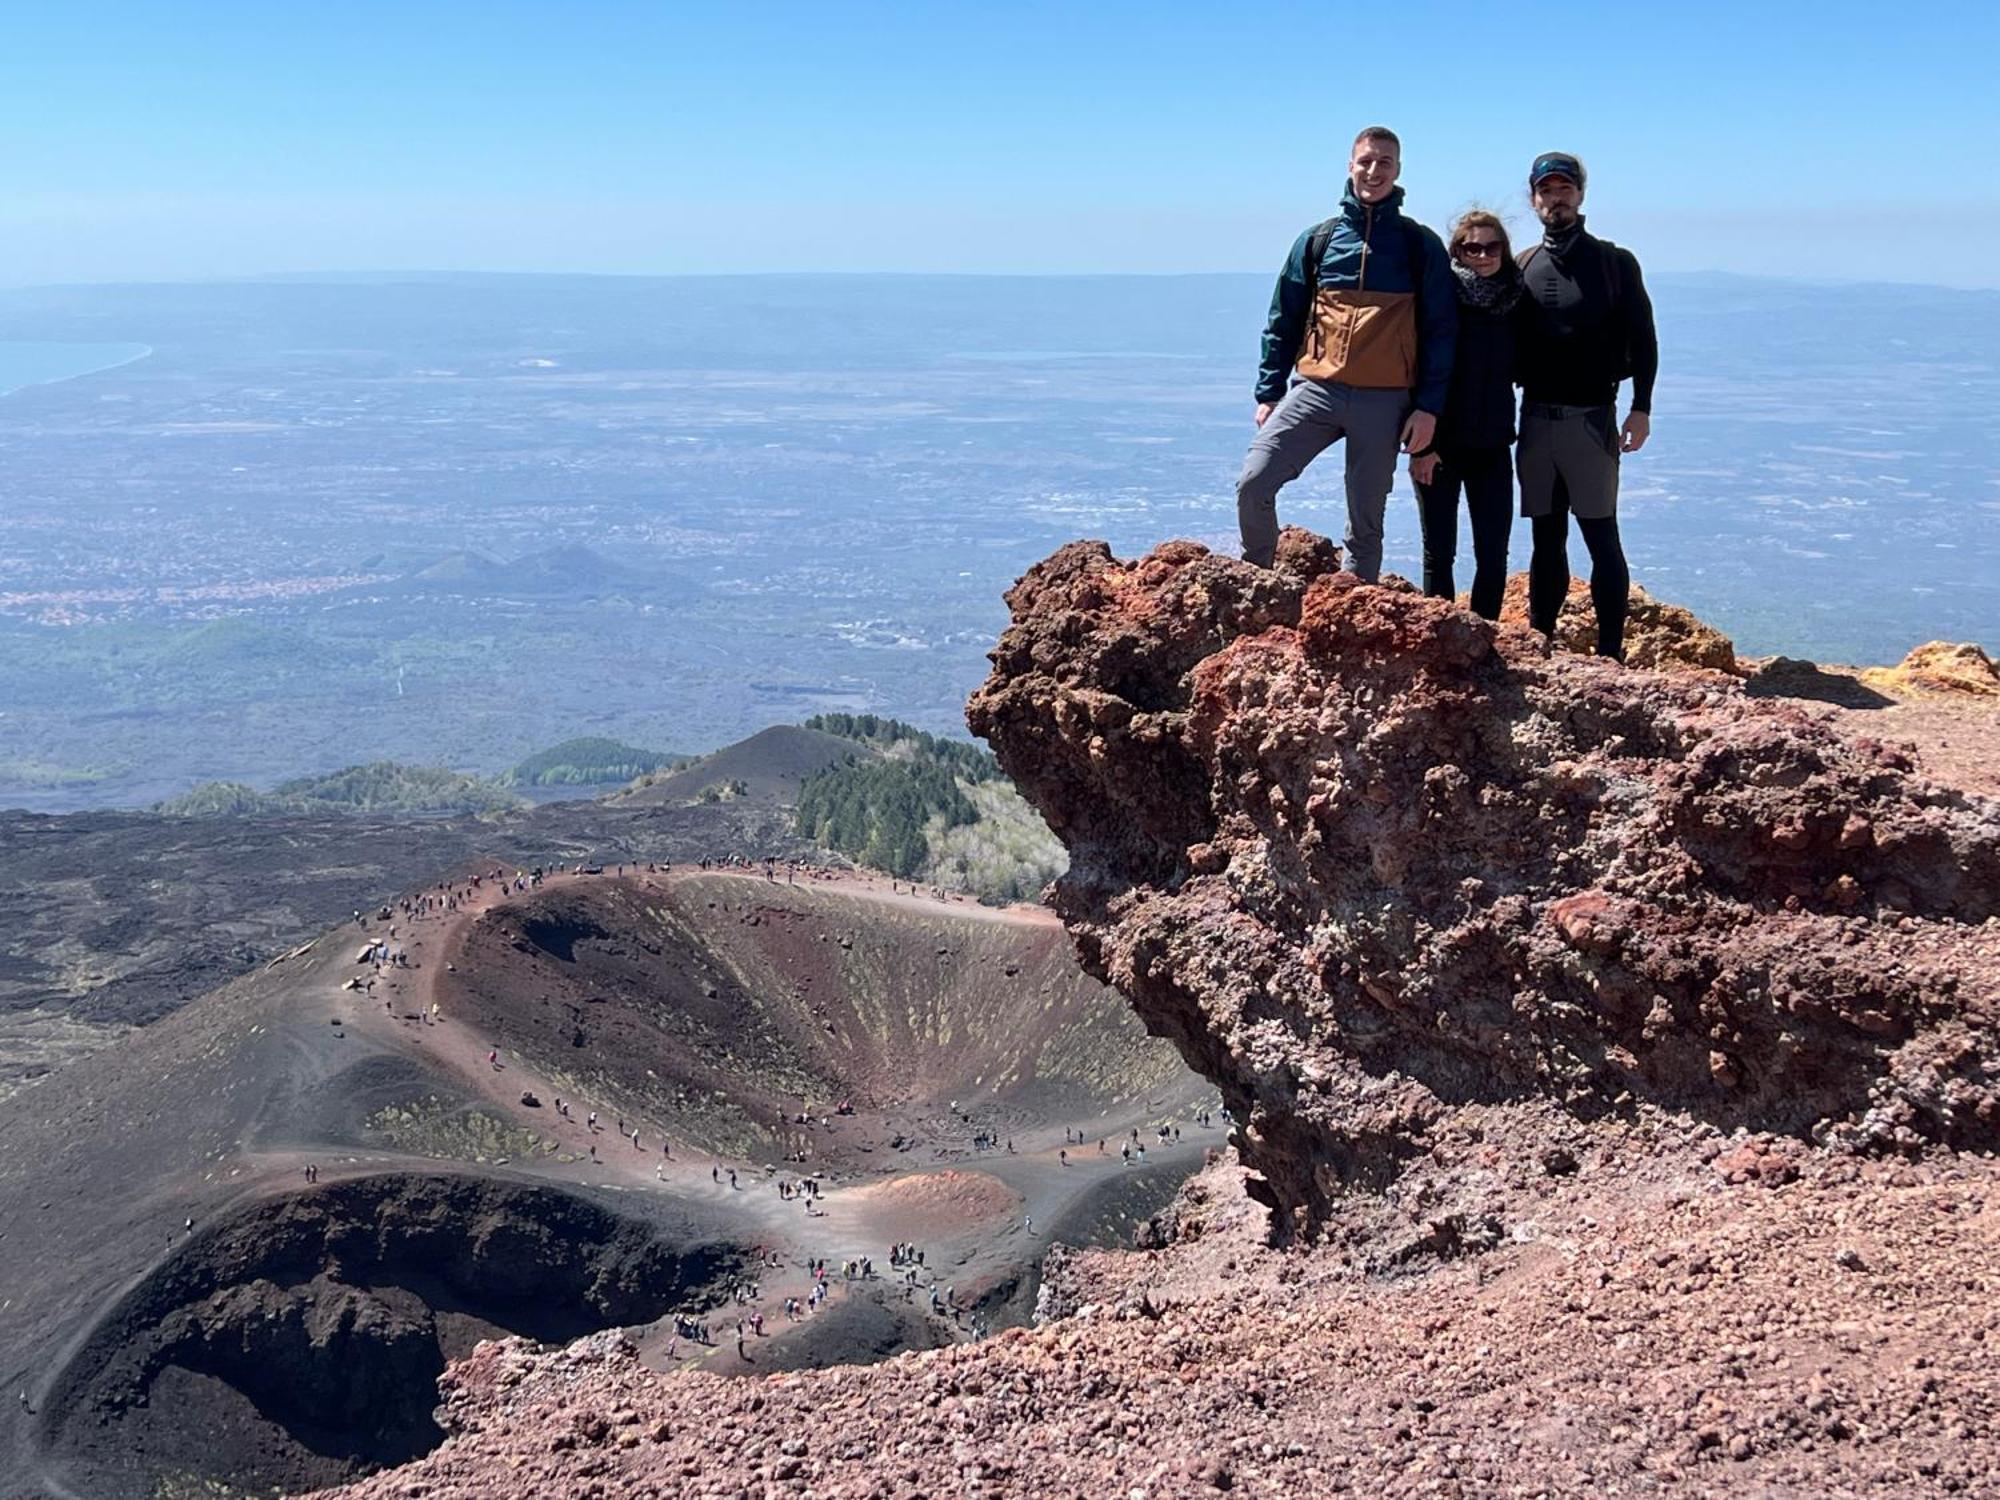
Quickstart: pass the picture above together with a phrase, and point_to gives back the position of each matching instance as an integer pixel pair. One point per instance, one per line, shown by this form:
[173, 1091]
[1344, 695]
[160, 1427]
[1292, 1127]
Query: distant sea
[36, 363]
[453, 520]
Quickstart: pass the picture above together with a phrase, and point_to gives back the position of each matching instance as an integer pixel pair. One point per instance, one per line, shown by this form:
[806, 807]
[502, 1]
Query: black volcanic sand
[114, 919]
[293, 1335]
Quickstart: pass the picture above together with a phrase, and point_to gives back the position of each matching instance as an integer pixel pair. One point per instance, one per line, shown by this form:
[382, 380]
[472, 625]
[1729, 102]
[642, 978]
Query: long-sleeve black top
[1584, 323]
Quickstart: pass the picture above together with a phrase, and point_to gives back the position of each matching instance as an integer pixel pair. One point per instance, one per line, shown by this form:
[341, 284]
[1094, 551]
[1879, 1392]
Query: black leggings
[1548, 573]
[1487, 476]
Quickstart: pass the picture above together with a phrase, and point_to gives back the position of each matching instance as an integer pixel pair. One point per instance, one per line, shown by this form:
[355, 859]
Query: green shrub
[589, 761]
[383, 786]
[967, 761]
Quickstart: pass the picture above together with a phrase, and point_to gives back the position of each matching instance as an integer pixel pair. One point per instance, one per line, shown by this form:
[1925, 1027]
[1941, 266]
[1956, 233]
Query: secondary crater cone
[725, 1007]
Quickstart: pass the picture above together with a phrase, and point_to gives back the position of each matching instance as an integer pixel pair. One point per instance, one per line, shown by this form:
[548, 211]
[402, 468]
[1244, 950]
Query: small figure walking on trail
[593, 1151]
[715, 1174]
[732, 1177]
[493, 1057]
[1064, 1157]
[27, 1405]
[1028, 1223]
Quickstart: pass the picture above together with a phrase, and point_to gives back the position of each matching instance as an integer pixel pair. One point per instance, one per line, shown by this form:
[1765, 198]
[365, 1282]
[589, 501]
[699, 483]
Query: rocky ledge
[1368, 859]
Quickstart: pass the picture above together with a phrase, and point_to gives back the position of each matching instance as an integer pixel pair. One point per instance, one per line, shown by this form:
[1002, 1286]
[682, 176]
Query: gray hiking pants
[1314, 415]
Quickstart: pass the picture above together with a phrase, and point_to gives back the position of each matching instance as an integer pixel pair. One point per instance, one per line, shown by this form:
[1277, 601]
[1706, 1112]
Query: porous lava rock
[1941, 669]
[1660, 636]
[1367, 859]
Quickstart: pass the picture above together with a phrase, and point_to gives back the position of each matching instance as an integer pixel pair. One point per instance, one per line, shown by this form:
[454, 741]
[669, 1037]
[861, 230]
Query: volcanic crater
[356, 1169]
[301, 1337]
[723, 1009]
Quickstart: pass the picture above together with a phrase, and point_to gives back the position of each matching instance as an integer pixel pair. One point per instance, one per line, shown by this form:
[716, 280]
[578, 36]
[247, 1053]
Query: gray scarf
[1496, 294]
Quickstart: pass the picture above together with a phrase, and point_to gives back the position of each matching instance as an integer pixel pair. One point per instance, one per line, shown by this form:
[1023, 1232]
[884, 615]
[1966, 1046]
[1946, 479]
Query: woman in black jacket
[1470, 450]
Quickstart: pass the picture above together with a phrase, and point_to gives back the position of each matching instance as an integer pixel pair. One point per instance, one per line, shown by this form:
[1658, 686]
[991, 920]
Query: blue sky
[167, 140]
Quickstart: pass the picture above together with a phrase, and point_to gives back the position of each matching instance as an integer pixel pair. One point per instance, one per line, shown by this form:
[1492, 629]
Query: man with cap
[1586, 324]
[1365, 315]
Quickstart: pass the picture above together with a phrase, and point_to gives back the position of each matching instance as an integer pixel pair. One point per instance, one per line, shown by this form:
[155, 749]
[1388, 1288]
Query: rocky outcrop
[1938, 669]
[1659, 636]
[1366, 858]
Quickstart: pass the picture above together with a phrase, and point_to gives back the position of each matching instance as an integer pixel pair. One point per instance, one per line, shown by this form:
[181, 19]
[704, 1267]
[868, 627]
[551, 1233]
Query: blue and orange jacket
[1385, 316]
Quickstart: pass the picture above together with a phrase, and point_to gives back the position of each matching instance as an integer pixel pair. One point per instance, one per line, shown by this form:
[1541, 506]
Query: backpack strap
[1614, 274]
[1413, 252]
[1322, 236]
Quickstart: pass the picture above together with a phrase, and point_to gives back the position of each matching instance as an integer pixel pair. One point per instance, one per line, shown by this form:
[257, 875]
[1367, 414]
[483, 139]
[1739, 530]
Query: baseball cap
[1555, 164]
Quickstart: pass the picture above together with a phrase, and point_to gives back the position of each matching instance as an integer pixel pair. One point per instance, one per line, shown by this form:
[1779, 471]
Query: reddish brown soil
[1953, 736]
[1644, 1326]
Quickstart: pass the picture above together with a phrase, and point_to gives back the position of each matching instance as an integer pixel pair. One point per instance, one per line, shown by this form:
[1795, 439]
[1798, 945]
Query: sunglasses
[1478, 249]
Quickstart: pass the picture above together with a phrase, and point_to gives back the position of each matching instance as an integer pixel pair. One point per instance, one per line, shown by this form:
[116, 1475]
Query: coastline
[146, 351]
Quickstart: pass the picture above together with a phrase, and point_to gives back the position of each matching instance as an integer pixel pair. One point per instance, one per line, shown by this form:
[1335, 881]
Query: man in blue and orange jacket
[1365, 316]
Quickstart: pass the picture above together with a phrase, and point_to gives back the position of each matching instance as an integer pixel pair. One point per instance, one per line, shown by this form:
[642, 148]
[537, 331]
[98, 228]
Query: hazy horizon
[336, 275]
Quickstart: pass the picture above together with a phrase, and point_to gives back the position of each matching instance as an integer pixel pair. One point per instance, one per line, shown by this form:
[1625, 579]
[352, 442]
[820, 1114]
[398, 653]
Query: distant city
[261, 530]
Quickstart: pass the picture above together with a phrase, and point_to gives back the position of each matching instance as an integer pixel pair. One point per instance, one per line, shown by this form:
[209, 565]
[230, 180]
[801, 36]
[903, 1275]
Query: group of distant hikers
[1384, 335]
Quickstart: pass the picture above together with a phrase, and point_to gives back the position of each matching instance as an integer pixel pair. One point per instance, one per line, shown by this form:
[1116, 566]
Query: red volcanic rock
[1658, 635]
[1939, 668]
[1366, 858]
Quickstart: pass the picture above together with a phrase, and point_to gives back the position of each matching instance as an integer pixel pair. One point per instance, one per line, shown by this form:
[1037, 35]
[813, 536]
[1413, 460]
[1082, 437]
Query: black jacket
[1479, 411]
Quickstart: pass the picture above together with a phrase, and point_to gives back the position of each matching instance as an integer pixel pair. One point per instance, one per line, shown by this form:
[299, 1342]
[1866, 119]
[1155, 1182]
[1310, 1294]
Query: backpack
[1612, 262]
